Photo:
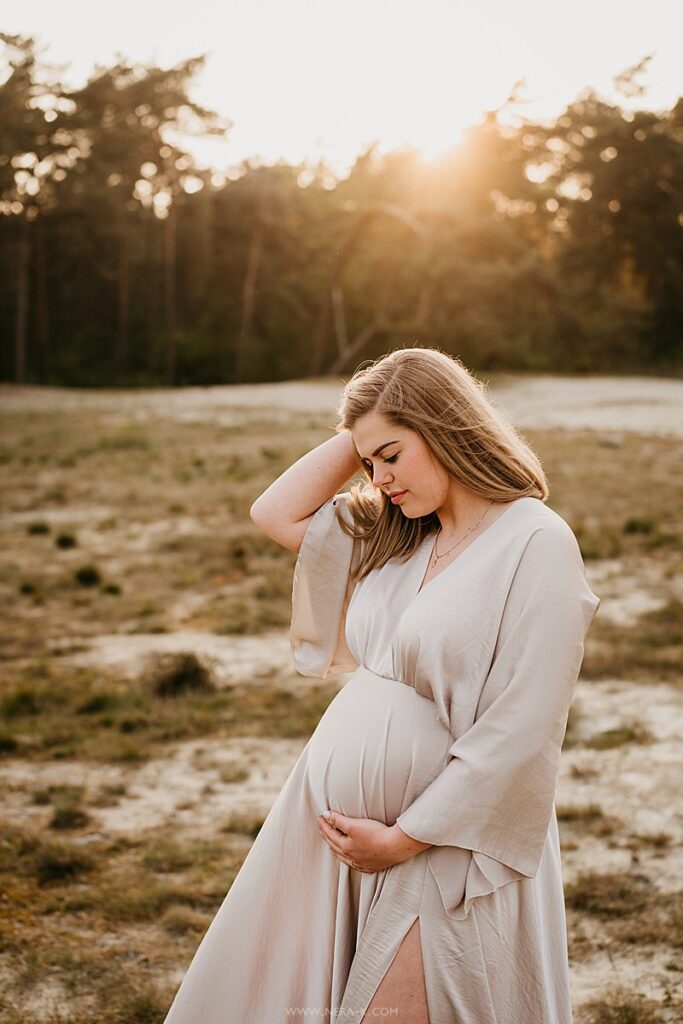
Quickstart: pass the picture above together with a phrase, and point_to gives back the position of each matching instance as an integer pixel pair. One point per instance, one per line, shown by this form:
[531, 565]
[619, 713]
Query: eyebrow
[381, 447]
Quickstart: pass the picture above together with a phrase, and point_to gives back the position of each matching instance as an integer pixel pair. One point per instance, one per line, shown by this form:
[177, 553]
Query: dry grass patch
[59, 711]
[245, 824]
[632, 732]
[233, 774]
[655, 840]
[609, 895]
[76, 914]
[632, 910]
[185, 921]
[621, 1007]
[652, 649]
[589, 819]
[109, 993]
[28, 857]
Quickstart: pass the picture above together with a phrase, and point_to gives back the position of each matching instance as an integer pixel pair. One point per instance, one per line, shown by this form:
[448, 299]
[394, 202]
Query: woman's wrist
[404, 846]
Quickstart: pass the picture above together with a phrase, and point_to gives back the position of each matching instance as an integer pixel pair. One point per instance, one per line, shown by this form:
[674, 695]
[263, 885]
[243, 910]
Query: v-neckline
[430, 547]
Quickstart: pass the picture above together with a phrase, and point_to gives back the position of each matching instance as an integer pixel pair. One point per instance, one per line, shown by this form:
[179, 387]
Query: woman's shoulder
[545, 533]
[538, 514]
[549, 564]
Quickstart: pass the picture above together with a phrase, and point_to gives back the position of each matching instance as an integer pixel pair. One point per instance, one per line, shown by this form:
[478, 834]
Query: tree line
[553, 247]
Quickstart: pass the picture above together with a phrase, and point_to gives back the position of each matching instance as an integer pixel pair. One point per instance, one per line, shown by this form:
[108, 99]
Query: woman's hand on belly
[365, 844]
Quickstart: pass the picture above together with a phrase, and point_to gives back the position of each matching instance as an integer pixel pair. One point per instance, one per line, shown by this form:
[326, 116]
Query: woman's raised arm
[286, 507]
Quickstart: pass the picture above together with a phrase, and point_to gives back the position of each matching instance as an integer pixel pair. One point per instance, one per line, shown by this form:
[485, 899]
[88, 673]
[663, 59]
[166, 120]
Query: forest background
[543, 247]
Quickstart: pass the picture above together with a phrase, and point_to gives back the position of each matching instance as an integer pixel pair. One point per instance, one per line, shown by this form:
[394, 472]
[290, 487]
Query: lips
[397, 495]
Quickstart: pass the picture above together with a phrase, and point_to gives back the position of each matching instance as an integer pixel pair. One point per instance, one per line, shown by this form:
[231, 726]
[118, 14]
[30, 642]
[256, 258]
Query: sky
[305, 80]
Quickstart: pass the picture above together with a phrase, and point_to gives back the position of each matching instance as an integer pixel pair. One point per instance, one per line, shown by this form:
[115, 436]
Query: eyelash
[390, 458]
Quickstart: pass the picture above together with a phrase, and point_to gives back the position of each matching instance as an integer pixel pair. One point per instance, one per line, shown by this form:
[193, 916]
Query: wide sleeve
[495, 797]
[321, 591]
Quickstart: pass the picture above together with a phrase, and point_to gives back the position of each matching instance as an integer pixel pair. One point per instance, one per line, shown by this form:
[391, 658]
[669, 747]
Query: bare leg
[402, 989]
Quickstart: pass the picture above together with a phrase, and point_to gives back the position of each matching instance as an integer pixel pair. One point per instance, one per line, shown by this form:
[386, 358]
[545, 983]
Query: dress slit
[401, 1008]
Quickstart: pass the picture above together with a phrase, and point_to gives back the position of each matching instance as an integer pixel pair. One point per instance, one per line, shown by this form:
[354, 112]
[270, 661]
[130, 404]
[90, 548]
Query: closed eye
[391, 458]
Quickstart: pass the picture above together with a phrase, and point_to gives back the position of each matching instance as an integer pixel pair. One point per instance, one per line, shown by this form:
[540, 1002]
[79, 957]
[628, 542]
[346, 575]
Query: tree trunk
[42, 301]
[331, 307]
[322, 329]
[152, 295]
[249, 299]
[122, 305]
[169, 297]
[21, 323]
[354, 349]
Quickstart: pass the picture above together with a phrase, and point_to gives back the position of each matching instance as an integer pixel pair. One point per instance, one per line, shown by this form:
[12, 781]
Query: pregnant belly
[378, 745]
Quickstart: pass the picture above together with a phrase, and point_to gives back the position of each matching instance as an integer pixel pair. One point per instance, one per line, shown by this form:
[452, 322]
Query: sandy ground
[232, 659]
[643, 404]
[182, 790]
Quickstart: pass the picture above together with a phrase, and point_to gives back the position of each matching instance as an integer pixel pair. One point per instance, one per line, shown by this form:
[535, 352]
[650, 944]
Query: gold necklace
[464, 537]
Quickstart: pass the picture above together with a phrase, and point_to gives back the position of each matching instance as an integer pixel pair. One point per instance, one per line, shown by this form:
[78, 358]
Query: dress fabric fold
[451, 723]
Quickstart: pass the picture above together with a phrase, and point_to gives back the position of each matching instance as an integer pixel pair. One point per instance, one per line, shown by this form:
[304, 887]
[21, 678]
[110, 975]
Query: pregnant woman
[410, 866]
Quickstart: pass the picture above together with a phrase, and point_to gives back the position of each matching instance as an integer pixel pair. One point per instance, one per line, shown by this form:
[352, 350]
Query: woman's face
[405, 464]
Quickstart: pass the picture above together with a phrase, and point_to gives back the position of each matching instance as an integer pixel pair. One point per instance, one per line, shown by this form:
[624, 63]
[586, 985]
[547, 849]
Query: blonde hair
[432, 393]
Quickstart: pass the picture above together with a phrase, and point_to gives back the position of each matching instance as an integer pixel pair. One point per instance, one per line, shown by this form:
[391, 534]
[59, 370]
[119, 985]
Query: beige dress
[451, 724]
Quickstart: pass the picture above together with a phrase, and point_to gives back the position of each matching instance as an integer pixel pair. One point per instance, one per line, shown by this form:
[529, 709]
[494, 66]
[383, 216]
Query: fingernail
[327, 815]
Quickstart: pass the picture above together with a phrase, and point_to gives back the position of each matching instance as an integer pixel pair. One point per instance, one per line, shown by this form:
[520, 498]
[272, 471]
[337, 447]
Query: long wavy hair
[432, 393]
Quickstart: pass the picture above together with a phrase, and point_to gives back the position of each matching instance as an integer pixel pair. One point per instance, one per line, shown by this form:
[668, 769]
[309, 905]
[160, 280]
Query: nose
[381, 478]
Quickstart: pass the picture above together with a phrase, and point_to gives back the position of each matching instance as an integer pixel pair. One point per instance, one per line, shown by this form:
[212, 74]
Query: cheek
[425, 474]
[416, 471]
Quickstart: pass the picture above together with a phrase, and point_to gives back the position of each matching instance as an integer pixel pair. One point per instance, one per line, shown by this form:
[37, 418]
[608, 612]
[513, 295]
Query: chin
[418, 513]
[411, 513]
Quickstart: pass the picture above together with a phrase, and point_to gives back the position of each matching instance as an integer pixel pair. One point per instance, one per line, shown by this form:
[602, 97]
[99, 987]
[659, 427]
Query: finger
[330, 824]
[336, 839]
[349, 862]
[345, 858]
[338, 821]
[335, 846]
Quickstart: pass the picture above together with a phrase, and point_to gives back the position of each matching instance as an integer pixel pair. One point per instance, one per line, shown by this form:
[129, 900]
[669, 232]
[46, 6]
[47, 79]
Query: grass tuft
[629, 733]
[65, 541]
[37, 528]
[88, 576]
[55, 863]
[611, 894]
[175, 674]
[589, 818]
[620, 1007]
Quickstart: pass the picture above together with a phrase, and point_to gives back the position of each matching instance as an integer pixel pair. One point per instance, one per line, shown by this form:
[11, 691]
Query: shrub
[175, 674]
[639, 525]
[96, 703]
[21, 702]
[612, 894]
[55, 863]
[68, 816]
[8, 744]
[37, 528]
[88, 576]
